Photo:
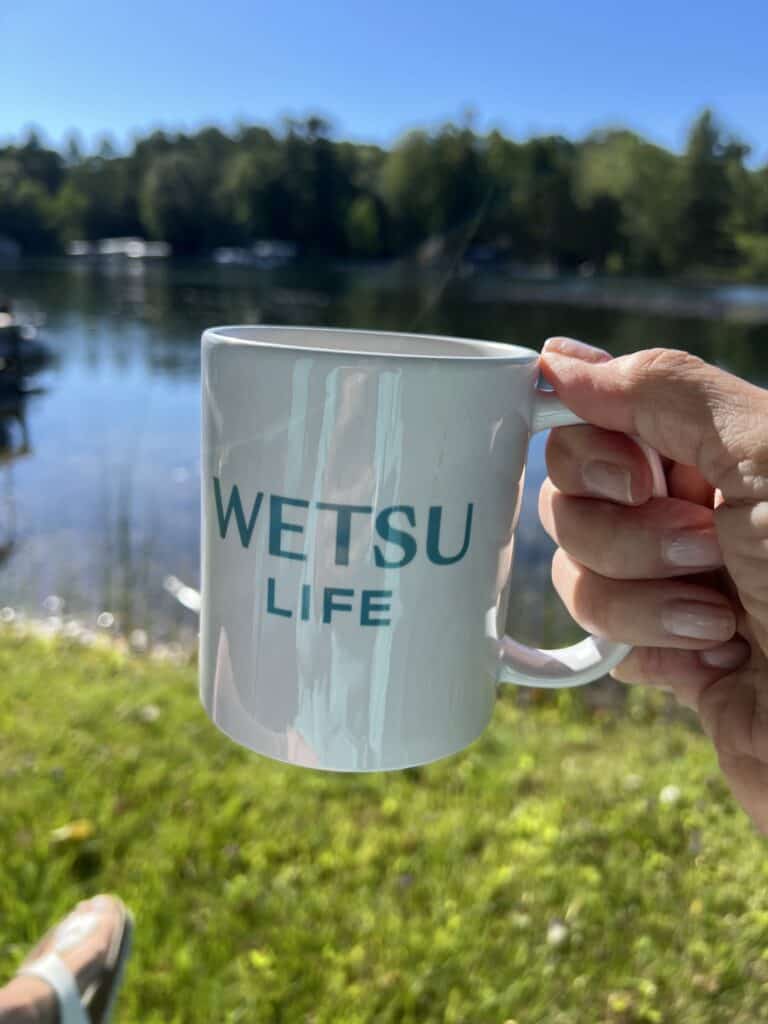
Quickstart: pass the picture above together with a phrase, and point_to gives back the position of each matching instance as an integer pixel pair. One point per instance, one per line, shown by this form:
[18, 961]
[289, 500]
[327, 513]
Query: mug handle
[594, 656]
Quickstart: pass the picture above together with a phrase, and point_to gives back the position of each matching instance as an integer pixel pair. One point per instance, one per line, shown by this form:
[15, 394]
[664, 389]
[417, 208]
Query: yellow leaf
[74, 832]
[261, 959]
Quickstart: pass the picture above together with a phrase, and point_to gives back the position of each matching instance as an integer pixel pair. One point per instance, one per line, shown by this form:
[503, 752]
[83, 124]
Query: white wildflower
[670, 795]
[149, 713]
[139, 639]
[557, 933]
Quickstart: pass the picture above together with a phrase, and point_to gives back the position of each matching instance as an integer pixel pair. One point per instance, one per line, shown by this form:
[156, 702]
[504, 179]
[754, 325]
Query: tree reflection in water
[14, 445]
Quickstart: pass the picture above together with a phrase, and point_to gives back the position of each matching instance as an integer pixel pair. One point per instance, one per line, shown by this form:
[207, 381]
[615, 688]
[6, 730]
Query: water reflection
[106, 507]
[14, 445]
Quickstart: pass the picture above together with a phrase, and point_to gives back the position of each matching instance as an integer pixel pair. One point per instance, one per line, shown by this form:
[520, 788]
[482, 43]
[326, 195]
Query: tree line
[613, 201]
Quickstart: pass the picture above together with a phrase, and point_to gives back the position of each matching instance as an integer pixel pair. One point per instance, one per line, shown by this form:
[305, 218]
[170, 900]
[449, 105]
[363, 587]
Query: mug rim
[487, 351]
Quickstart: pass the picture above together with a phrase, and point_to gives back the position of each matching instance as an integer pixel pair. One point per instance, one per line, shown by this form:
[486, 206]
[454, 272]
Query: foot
[83, 941]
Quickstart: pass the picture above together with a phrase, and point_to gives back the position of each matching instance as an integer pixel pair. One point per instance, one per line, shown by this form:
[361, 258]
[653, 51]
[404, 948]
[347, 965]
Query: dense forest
[612, 201]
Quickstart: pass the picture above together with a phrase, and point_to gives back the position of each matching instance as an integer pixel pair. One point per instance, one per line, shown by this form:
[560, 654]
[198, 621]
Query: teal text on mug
[360, 492]
[402, 541]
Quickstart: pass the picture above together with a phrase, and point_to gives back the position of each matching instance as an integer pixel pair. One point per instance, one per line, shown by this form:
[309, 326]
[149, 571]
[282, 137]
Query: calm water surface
[104, 505]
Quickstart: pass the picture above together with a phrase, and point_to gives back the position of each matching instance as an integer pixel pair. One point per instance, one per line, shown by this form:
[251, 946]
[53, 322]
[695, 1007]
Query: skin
[683, 578]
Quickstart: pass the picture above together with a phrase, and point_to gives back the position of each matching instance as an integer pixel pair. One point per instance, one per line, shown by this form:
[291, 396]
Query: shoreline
[71, 630]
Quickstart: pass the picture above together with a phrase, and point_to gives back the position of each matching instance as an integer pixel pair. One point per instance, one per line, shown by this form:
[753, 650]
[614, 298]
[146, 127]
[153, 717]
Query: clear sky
[381, 66]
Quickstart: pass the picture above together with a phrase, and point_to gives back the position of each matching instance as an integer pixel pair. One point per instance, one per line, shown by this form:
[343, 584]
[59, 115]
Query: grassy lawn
[548, 874]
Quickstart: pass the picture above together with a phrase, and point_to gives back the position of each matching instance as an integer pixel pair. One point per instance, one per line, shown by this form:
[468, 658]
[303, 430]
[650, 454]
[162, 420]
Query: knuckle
[713, 714]
[648, 366]
[544, 517]
[630, 670]
[560, 455]
[557, 571]
[563, 572]
[677, 393]
[650, 664]
[558, 521]
[592, 534]
[743, 533]
[590, 599]
[739, 465]
[607, 549]
[546, 493]
[546, 498]
[557, 444]
[713, 416]
[586, 607]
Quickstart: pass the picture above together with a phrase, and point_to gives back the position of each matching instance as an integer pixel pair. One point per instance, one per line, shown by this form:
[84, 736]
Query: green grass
[266, 893]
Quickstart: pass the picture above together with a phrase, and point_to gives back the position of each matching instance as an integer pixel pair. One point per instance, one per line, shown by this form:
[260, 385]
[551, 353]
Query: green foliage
[753, 249]
[432, 184]
[251, 191]
[363, 226]
[29, 176]
[707, 193]
[629, 191]
[172, 201]
[98, 200]
[570, 866]
[612, 201]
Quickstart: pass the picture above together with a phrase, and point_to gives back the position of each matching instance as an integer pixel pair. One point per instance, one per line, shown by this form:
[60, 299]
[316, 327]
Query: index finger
[689, 411]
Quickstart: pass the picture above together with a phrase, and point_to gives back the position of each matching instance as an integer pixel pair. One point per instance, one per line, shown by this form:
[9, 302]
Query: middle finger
[663, 538]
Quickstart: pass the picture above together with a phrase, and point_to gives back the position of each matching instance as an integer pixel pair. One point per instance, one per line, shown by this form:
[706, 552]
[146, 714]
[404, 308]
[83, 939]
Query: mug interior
[371, 343]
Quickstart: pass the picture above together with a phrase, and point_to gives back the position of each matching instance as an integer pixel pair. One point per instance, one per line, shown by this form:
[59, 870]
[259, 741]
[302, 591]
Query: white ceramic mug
[360, 492]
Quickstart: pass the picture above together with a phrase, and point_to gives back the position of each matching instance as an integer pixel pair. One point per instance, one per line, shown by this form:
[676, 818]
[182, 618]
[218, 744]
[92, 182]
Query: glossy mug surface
[360, 492]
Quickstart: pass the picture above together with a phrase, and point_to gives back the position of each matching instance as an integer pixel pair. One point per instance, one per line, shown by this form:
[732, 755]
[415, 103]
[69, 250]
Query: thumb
[686, 409]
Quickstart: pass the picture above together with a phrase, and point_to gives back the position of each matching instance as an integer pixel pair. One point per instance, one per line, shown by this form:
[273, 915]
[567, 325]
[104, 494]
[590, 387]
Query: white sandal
[96, 1003]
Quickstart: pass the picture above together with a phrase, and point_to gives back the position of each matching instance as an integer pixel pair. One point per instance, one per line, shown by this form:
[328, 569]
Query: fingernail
[576, 350]
[697, 620]
[690, 550]
[607, 480]
[729, 655]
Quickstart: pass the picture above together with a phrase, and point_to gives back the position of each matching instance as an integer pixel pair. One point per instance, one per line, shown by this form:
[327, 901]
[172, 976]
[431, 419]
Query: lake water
[104, 505]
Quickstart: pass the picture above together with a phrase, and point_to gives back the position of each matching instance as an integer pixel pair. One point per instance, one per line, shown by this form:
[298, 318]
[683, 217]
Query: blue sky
[380, 67]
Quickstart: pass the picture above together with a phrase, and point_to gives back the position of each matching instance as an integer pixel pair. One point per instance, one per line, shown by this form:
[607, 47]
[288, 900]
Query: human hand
[683, 578]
